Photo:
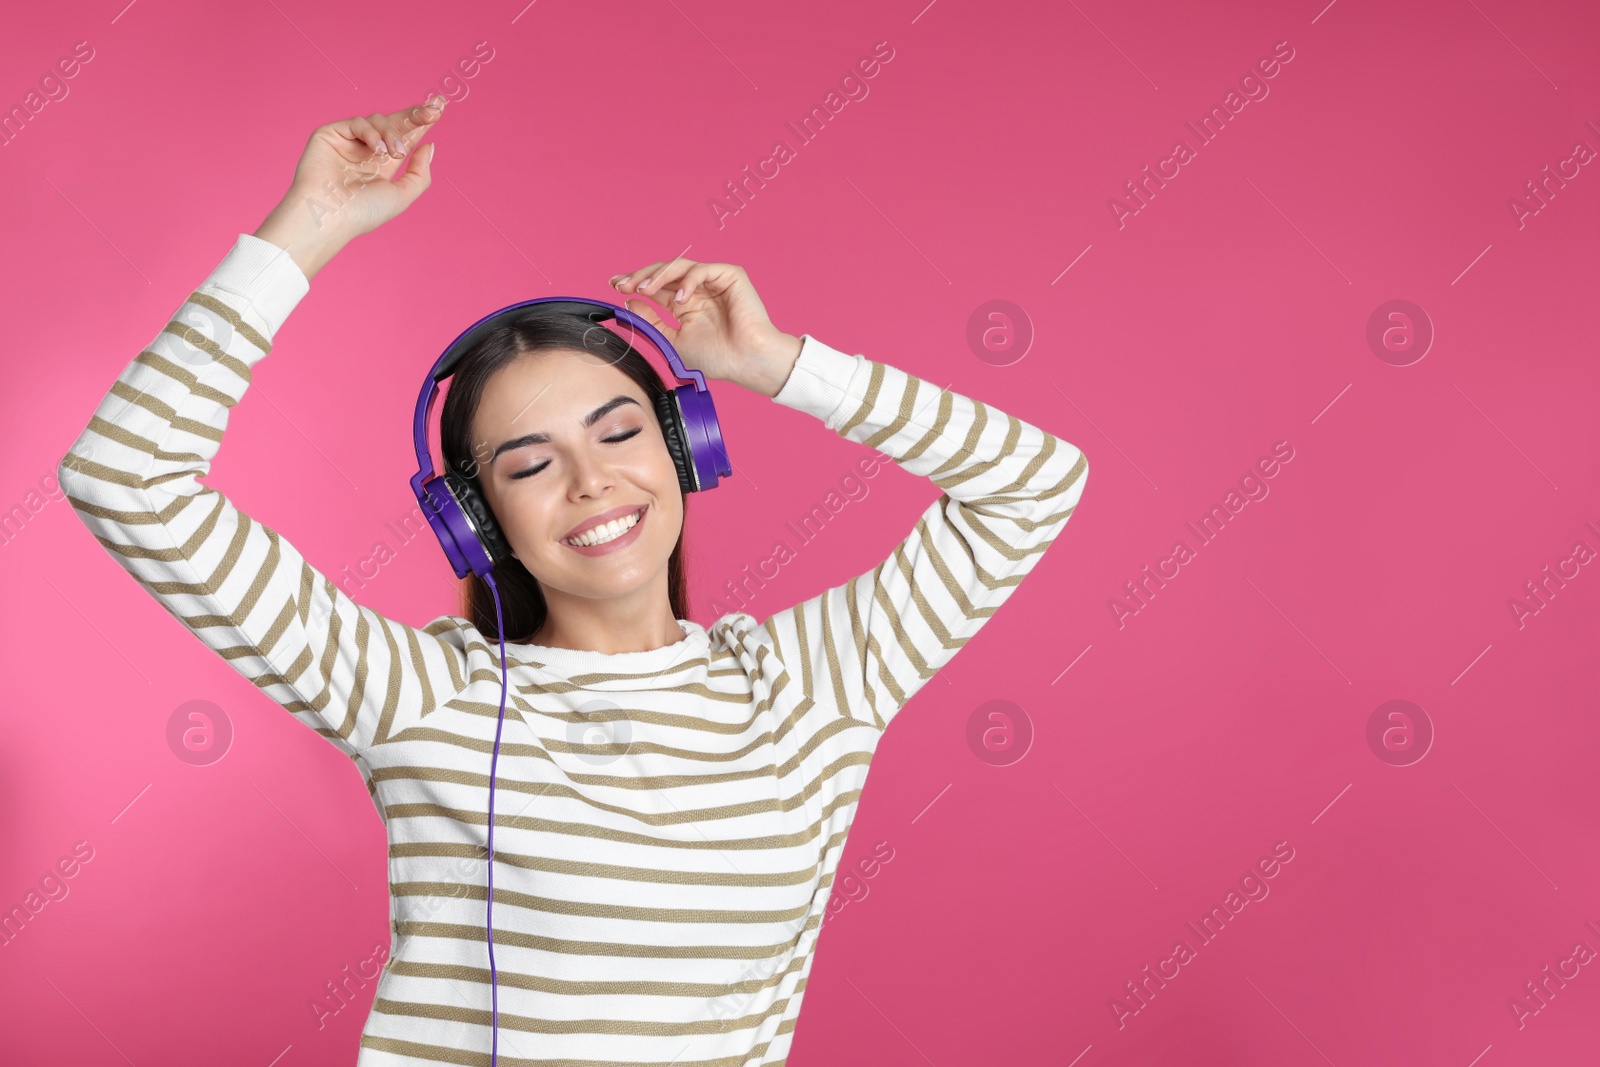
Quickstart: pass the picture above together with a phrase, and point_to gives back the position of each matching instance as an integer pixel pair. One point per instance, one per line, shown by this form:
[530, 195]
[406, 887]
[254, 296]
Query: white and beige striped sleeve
[133, 477]
[867, 646]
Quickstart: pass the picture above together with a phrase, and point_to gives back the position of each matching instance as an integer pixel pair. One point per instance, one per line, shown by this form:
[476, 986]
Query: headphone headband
[452, 503]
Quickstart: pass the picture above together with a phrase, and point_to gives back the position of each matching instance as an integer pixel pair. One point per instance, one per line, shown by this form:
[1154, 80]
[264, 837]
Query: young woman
[672, 798]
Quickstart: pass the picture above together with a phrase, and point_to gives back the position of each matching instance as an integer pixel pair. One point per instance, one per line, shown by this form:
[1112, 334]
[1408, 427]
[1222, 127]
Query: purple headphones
[472, 541]
[455, 506]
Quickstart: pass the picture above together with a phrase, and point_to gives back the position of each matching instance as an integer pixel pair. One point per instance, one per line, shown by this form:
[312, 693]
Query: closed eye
[615, 438]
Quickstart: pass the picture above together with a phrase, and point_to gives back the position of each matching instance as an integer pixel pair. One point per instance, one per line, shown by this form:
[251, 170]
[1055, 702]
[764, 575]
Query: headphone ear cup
[478, 514]
[672, 432]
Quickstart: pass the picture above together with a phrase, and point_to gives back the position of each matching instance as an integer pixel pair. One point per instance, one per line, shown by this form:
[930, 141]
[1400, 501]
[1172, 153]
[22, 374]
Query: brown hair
[521, 600]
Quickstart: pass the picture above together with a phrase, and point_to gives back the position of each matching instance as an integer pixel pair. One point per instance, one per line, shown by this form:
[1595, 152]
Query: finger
[422, 115]
[632, 278]
[667, 275]
[691, 281]
[360, 130]
[648, 313]
[418, 173]
[391, 135]
[412, 124]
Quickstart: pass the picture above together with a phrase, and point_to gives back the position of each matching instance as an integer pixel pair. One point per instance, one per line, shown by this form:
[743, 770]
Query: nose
[591, 473]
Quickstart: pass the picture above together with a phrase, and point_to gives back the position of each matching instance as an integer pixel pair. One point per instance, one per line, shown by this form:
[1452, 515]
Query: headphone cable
[494, 985]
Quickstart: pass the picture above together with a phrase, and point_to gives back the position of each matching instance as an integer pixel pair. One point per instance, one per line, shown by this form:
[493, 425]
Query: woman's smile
[612, 536]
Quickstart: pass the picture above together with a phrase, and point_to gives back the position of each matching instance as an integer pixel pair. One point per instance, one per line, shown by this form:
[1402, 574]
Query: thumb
[418, 173]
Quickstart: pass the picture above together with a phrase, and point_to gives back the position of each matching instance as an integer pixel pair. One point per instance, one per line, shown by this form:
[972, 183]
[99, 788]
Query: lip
[616, 544]
[601, 519]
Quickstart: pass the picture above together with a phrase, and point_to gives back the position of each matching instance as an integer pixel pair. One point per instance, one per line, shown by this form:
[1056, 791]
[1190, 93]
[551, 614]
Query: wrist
[769, 366]
[295, 226]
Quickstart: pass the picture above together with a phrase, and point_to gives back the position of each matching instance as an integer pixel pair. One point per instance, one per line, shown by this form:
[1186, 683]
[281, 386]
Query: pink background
[1227, 315]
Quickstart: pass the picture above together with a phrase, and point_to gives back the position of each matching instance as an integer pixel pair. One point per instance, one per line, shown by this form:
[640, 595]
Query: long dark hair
[521, 600]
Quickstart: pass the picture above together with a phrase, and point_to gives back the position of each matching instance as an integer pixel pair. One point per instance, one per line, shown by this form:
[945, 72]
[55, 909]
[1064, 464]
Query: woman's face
[547, 470]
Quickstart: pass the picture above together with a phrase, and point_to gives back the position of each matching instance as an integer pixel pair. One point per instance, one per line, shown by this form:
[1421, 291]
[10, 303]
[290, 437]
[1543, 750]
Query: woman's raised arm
[865, 647]
[133, 477]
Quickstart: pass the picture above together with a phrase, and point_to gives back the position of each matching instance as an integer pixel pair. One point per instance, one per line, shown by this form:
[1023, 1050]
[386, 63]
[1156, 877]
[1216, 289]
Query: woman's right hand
[345, 184]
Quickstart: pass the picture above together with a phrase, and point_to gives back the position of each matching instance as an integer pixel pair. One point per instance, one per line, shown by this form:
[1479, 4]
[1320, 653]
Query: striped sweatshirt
[667, 822]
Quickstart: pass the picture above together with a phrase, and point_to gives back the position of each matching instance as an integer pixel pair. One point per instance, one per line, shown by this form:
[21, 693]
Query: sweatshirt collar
[571, 662]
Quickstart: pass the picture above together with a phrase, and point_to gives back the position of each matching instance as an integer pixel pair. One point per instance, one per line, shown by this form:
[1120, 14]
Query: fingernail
[678, 297]
[641, 286]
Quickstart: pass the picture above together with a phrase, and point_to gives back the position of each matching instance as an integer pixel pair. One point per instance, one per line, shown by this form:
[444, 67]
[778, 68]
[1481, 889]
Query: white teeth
[609, 531]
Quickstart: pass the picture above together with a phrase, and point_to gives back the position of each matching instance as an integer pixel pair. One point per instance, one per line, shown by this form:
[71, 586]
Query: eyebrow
[543, 438]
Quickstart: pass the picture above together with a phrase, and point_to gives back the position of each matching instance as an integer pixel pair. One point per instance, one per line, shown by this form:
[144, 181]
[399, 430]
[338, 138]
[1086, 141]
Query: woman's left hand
[723, 330]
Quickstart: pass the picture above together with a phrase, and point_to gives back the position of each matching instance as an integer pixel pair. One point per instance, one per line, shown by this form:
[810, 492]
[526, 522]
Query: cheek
[658, 476]
[655, 471]
[524, 513]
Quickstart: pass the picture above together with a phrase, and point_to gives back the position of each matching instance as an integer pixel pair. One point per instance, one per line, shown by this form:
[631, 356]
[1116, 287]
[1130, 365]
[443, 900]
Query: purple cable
[494, 986]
